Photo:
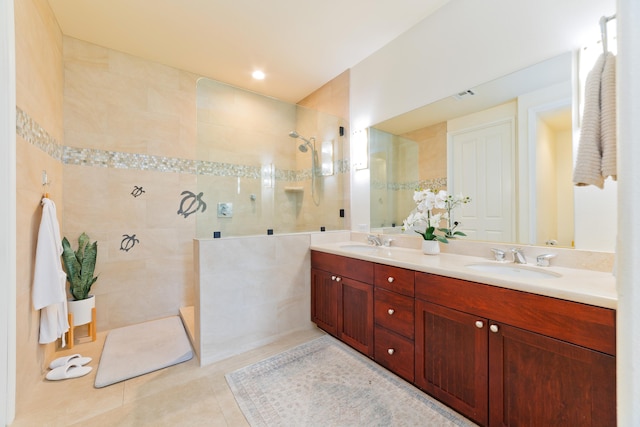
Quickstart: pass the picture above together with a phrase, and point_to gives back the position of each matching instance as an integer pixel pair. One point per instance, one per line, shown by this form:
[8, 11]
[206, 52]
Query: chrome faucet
[374, 240]
[544, 260]
[387, 241]
[498, 254]
[518, 256]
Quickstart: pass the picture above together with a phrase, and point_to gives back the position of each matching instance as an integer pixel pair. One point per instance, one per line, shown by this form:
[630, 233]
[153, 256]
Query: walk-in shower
[255, 189]
[309, 143]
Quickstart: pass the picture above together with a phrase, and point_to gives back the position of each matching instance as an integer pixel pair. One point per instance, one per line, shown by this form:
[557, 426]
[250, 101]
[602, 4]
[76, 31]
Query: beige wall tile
[39, 84]
[432, 161]
[39, 64]
[331, 98]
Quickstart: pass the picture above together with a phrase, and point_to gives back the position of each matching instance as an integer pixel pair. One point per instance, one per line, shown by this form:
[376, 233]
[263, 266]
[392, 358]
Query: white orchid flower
[429, 201]
[440, 200]
[434, 221]
[420, 195]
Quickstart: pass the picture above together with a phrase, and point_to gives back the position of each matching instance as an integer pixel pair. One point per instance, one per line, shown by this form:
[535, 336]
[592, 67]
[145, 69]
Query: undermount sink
[360, 248]
[514, 270]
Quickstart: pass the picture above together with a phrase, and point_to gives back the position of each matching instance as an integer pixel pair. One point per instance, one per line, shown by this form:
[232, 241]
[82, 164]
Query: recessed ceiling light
[258, 75]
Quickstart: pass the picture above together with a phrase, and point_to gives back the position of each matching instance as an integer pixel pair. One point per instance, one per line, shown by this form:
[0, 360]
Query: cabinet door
[540, 381]
[324, 301]
[451, 358]
[355, 317]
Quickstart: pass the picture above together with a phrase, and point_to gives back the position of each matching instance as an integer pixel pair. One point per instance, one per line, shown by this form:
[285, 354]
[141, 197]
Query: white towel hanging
[49, 292]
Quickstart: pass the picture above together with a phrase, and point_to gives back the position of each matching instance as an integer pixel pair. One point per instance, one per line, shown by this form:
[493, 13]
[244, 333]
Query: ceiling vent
[464, 94]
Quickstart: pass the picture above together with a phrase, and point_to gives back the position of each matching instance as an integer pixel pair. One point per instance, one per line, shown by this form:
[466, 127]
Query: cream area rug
[139, 349]
[326, 383]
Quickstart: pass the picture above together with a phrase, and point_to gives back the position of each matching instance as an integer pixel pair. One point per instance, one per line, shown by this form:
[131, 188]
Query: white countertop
[584, 286]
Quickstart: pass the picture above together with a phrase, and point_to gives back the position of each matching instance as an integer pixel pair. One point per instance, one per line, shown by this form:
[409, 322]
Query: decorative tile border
[434, 184]
[120, 160]
[33, 133]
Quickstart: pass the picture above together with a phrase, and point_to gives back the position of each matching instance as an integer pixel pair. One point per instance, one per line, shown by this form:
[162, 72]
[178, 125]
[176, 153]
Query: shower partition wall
[251, 176]
[394, 177]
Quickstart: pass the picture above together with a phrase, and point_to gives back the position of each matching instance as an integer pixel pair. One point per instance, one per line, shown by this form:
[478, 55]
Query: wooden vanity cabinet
[508, 358]
[498, 356]
[324, 301]
[342, 299]
[568, 384]
[451, 358]
[394, 319]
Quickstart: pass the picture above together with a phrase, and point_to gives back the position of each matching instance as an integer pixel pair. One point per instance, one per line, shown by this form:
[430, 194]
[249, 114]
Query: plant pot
[81, 310]
[430, 247]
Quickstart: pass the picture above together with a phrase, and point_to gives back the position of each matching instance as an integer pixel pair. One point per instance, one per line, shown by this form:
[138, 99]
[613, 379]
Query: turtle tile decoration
[137, 191]
[191, 203]
[128, 242]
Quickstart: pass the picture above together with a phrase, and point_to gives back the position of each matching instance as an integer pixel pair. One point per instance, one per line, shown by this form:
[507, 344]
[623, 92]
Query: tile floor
[181, 395]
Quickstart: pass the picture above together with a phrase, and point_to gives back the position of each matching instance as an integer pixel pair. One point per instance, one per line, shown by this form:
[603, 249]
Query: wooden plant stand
[91, 327]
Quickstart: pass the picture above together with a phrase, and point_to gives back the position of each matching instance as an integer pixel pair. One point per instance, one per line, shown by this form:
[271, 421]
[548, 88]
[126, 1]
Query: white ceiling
[300, 45]
[490, 94]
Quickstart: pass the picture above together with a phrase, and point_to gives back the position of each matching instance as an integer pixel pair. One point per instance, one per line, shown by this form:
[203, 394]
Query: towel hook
[45, 183]
[603, 31]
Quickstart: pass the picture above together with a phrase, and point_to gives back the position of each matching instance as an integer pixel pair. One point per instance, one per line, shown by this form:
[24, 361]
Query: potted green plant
[80, 266]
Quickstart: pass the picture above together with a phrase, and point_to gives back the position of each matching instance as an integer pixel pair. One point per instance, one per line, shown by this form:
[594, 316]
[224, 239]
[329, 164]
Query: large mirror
[509, 144]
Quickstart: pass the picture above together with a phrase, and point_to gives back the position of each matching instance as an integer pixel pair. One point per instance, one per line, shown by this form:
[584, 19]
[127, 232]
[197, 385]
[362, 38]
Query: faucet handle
[544, 260]
[374, 240]
[518, 256]
[387, 241]
[499, 254]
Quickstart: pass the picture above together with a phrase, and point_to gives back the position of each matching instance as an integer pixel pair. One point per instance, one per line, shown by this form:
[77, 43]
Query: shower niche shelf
[294, 189]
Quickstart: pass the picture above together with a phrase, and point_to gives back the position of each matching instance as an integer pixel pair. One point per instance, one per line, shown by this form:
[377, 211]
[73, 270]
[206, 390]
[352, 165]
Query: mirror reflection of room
[510, 145]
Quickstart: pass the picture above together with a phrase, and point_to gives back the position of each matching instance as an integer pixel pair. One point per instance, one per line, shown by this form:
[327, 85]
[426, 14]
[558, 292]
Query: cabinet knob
[338, 278]
[494, 328]
[390, 279]
[391, 311]
[333, 277]
[479, 324]
[391, 351]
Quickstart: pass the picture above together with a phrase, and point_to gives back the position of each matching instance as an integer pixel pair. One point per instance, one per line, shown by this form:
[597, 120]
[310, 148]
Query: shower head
[303, 148]
[294, 134]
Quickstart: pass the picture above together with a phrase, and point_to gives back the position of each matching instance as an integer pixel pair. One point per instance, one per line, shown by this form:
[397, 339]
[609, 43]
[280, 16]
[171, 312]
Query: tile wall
[39, 87]
[252, 290]
[130, 152]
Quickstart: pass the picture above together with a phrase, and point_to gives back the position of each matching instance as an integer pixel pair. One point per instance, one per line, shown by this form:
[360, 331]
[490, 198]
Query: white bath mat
[139, 349]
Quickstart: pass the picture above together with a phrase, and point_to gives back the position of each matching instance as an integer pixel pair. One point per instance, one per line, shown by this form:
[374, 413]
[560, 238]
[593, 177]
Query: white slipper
[76, 359]
[68, 371]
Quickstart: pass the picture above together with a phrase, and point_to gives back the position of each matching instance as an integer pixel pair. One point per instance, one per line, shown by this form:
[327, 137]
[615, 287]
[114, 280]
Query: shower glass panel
[251, 175]
[394, 177]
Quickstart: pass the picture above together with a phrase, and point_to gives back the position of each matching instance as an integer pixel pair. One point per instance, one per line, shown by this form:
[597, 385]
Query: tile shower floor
[181, 395]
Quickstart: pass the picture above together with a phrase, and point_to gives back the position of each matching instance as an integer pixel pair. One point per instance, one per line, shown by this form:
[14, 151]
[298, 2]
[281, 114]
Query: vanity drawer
[582, 324]
[395, 353]
[394, 311]
[395, 279]
[343, 266]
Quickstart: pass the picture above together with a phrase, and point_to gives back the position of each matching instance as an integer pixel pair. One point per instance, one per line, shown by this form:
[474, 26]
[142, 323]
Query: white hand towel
[588, 169]
[608, 118]
[49, 293]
